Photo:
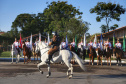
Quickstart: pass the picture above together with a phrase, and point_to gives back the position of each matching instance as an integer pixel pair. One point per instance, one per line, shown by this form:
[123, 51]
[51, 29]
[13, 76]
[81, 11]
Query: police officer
[80, 44]
[16, 44]
[73, 43]
[63, 44]
[27, 43]
[55, 42]
[118, 44]
[90, 43]
[108, 43]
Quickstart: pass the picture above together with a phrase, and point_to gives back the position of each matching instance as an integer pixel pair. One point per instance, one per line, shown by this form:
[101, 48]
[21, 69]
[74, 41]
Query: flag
[114, 39]
[75, 43]
[84, 40]
[48, 40]
[124, 43]
[31, 42]
[39, 36]
[20, 43]
[101, 42]
[95, 42]
[66, 43]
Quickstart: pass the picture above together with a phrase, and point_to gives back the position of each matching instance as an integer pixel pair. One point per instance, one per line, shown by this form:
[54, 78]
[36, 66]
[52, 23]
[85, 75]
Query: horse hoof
[70, 76]
[117, 64]
[47, 76]
[41, 72]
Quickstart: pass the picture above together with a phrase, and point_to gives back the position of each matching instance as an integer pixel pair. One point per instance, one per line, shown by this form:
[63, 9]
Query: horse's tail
[79, 60]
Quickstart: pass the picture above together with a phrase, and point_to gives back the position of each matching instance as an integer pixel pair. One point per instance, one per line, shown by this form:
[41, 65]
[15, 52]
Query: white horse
[64, 55]
[14, 52]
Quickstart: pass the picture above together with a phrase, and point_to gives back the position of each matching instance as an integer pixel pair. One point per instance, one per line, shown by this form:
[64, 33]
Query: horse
[35, 54]
[15, 52]
[119, 53]
[99, 53]
[64, 55]
[92, 54]
[26, 52]
[82, 52]
[108, 53]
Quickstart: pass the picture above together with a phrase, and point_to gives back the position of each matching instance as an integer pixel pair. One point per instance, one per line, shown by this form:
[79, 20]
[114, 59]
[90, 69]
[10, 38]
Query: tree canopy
[107, 11]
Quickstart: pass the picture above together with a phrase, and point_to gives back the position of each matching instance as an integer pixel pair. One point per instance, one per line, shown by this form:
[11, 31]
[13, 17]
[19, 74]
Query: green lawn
[5, 54]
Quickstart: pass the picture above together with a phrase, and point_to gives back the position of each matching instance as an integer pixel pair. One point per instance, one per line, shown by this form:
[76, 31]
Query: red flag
[20, 44]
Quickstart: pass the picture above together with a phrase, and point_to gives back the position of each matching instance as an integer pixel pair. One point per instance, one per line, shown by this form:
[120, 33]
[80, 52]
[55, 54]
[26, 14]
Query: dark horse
[92, 54]
[82, 52]
[99, 53]
[108, 53]
[119, 53]
[26, 52]
[35, 54]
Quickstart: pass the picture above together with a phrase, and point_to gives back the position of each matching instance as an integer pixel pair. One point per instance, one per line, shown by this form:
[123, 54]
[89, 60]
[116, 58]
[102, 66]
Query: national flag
[39, 37]
[31, 42]
[66, 43]
[95, 42]
[124, 43]
[48, 40]
[113, 39]
[84, 40]
[101, 41]
[20, 43]
[75, 43]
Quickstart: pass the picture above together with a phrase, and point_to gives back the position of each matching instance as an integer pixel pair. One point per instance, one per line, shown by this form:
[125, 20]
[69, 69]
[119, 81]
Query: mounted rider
[55, 42]
[108, 43]
[90, 43]
[63, 44]
[118, 44]
[16, 44]
[73, 43]
[80, 44]
[27, 43]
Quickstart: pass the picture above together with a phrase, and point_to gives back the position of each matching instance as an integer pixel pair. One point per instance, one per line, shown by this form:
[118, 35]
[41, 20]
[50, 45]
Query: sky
[10, 9]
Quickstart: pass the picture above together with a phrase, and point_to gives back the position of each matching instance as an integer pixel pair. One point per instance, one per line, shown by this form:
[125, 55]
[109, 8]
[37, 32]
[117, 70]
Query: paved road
[28, 74]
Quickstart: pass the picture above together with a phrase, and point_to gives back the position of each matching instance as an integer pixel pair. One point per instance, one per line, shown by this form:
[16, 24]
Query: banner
[101, 42]
[113, 39]
[20, 43]
[75, 43]
[124, 43]
[84, 40]
[31, 42]
[95, 42]
[48, 40]
[66, 43]
[39, 37]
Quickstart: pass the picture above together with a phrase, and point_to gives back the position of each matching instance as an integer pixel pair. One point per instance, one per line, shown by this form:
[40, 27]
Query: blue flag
[66, 42]
[101, 42]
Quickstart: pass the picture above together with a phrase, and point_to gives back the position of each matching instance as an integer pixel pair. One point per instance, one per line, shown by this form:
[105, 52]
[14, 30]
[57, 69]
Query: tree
[107, 11]
[58, 14]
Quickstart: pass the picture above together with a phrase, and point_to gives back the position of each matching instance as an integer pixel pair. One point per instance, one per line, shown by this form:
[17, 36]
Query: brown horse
[92, 54]
[119, 53]
[35, 54]
[26, 52]
[99, 53]
[108, 53]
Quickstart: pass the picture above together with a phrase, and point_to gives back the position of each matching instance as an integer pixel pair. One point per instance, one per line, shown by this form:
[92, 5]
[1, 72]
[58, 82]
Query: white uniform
[79, 44]
[108, 43]
[118, 45]
[16, 44]
[98, 45]
[73, 44]
[63, 44]
[90, 44]
[94, 45]
[27, 44]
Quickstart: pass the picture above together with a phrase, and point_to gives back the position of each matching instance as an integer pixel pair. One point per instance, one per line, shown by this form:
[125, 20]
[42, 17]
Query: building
[119, 34]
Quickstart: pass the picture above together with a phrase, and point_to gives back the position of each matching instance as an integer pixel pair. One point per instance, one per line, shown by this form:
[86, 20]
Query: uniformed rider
[55, 42]
[27, 43]
[80, 44]
[73, 43]
[63, 44]
[16, 44]
[90, 43]
[118, 44]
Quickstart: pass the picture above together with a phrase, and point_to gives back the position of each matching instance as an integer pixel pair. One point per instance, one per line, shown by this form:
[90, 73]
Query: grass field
[5, 54]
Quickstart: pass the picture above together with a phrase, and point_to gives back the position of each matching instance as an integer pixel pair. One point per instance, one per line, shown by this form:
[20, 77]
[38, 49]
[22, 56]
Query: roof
[113, 31]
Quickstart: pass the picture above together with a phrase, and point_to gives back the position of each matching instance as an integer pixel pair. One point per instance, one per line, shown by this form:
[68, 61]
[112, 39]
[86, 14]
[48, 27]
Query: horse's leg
[34, 57]
[70, 68]
[107, 61]
[120, 61]
[117, 60]
[40, 64]
[89, 59]
[37, 59]
[92, 60]
[97, 60]
[18, 58]
[49, 72]
[101, 60]
[24, 58]
[110, 60]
